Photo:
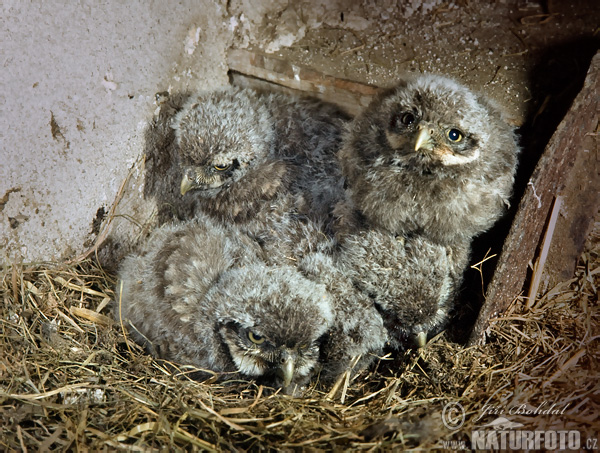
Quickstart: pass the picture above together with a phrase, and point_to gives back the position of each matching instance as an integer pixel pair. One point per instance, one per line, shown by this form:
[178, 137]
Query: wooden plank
[351, 96]
[569, 168]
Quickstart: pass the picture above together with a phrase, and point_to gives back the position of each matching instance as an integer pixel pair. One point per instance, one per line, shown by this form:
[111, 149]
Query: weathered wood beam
[351, 96]
[569, 168]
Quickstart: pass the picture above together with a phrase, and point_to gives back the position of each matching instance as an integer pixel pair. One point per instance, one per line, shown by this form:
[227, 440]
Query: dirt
[519, 52]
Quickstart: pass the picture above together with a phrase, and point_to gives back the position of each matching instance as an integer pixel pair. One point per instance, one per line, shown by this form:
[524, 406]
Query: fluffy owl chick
[197, 294]
[412, 281]
[430, 157]
[357, 336]
[252, 158]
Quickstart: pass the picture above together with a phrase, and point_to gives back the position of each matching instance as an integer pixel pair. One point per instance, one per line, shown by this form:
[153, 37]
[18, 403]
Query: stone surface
[77, 86]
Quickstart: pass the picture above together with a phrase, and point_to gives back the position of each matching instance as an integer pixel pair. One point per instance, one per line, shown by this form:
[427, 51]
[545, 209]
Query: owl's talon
[421, 339]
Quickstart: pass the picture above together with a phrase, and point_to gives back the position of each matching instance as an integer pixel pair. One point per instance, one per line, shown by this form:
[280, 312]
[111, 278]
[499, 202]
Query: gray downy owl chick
[430, 157]
[198, 294]
[412, 281]
[357, 336]
[255, 159]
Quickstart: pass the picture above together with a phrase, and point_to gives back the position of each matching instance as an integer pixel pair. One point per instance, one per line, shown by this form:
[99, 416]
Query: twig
[111, 215]
[121, 318]
[38, 396]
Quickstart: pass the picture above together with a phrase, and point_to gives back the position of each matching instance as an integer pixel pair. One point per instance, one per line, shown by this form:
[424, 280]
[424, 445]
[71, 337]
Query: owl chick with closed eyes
[255, 160]
[198, 294]
[430, 157]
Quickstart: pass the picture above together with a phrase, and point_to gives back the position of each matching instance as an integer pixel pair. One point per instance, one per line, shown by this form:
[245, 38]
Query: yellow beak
[186, 185]
[287, 368]
[421, 340]
[424, 140]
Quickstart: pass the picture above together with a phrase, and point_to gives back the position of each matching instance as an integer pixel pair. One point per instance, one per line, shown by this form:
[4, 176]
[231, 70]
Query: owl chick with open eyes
[252, 159]
[430, 157]
[198, 294]
[429, 165]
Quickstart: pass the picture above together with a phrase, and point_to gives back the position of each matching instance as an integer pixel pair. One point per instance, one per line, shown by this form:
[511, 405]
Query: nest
[70, 378]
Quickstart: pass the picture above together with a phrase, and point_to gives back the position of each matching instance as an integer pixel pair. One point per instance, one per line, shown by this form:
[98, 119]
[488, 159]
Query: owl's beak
[186, 184]
[424, 139]
[287, 368]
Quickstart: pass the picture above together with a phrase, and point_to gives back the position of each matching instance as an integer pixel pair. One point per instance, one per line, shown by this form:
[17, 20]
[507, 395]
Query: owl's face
[430, 156]
[425, 123]
[221, 135]
[275, 363]
[271, 322]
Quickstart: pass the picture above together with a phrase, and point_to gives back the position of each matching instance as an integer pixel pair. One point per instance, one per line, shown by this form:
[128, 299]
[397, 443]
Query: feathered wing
[308, 135]
[412, 281]
[357, 335]
[161, 290]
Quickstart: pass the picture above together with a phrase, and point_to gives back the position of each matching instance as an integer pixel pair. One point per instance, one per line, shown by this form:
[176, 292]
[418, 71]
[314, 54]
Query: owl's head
[271, 322]
[429, 124]
[220, 136]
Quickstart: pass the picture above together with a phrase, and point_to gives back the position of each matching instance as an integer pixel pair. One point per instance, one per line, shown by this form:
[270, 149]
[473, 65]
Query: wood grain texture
[350, 95]
[569, 167]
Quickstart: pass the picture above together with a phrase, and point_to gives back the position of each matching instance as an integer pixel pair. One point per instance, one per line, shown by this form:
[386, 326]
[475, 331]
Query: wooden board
[569, 168]
[255, 68]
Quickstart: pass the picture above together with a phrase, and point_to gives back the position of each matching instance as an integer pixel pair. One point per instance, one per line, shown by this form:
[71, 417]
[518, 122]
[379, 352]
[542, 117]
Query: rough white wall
[77, 85]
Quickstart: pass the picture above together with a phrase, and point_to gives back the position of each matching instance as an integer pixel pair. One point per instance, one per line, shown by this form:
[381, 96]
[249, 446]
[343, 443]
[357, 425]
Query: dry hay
[70, 379]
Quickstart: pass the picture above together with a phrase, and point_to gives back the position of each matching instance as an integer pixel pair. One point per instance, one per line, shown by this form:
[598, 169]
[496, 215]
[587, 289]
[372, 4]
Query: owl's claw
[421, 339]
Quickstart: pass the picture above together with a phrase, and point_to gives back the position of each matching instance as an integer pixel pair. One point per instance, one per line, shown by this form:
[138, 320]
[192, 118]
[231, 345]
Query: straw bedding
[70, 378]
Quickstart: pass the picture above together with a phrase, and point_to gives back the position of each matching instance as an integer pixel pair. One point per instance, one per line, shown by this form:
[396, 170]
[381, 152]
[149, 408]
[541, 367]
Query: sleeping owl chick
[197, 294]
[254, 159]
[412, 281]
[357, 336]
[430, 157]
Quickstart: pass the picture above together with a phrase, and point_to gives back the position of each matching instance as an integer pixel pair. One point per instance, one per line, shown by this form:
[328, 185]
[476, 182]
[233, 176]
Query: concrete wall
[77, 86]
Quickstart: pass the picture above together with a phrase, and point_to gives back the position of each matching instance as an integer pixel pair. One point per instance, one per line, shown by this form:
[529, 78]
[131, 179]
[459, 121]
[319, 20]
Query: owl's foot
[421, 339]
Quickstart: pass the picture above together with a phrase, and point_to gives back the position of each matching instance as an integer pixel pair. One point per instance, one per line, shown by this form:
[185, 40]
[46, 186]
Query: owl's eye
[254, 338]
[454, 135]
[407, 118]
[221, 167]
[402, 120]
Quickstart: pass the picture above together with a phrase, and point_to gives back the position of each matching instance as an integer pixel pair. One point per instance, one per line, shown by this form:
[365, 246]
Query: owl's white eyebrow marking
[448, 159]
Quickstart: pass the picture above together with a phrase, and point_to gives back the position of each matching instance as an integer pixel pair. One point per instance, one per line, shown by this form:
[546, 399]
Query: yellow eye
[254, 338]
[454, 135]
[221, 167]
